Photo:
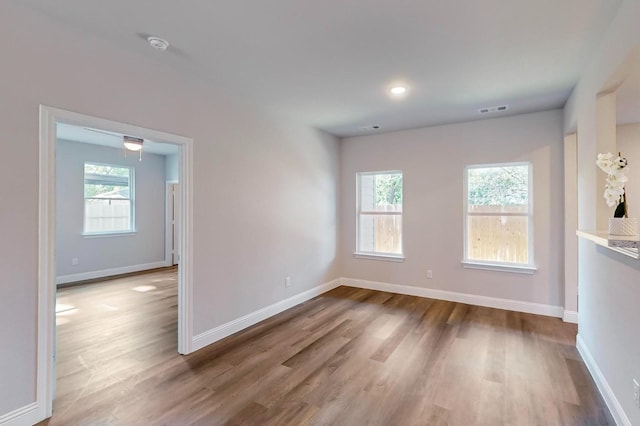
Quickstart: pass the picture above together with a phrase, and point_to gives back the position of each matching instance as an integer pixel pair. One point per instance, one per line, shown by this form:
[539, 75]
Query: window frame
[523, 268]
[374, 255]
[132, 221]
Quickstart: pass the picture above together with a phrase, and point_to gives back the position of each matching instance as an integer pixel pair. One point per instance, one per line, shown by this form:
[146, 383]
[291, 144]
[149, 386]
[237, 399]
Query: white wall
[146, 246]
[172, 168]
[628, 143]
[264, 188]
[570, 174]
[433, 160]
[609, 283]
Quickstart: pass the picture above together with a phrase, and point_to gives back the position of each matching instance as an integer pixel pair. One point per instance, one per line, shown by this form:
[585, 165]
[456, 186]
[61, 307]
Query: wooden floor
[348, 357]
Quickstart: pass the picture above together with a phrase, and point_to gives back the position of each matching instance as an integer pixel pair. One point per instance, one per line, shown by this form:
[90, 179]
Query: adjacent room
[116, 255]
[320, 213]
[114, 206]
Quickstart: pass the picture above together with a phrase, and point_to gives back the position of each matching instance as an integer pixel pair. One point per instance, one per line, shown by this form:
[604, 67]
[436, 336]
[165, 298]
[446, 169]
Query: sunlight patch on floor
[109, 307]
[63, 311]
[63, 307]
[144, 288]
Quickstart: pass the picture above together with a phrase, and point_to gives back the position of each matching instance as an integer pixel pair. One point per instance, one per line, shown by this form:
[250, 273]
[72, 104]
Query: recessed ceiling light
[398, 90]
[158, 43]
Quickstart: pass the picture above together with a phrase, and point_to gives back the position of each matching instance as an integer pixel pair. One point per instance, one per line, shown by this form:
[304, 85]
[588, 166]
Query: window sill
[379, 256]
[517, 269]
[109, 234]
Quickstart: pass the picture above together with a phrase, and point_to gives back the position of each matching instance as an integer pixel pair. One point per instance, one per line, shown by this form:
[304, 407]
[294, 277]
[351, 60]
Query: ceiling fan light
[133, 144]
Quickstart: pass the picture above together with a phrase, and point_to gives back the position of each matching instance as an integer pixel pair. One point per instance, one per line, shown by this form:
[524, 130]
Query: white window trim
[500, 267]
[391, 257]
[108, 234]
[523, 268]
[132, 222]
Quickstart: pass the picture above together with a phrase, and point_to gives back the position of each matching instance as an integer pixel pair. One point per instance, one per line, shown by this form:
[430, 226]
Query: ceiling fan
[130, 143]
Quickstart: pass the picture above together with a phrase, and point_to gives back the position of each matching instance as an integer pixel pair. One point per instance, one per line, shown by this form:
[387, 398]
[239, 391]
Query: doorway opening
[50, 118]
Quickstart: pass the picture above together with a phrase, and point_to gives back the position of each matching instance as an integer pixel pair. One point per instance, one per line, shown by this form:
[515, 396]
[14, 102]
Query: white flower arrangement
[616, 169]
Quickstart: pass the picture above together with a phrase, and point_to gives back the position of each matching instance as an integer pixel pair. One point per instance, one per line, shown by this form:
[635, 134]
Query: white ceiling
[329, 63]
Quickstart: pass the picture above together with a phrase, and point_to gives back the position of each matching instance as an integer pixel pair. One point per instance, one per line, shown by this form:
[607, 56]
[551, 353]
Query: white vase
[624, 226]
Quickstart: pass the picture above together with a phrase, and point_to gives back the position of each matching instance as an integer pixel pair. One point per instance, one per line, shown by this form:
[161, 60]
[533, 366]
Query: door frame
[49, 116]
[168, 222]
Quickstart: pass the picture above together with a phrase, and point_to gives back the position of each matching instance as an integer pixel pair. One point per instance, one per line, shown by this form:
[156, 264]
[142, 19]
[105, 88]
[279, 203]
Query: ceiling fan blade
[104, 132]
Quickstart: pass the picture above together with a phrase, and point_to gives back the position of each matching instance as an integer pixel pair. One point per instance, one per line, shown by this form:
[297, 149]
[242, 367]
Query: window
[108, 199]
[498, 217]
[379, 206]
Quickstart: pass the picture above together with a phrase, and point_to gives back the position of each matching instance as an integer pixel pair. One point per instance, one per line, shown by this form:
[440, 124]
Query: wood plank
[350, 356]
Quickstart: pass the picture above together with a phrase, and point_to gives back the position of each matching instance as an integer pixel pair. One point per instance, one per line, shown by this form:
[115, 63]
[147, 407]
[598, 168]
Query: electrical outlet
[429, 274]
[74, 261]
[287, 282]
[636, 392]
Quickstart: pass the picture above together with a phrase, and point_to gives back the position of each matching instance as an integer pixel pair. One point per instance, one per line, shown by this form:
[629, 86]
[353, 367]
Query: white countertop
[627, 245]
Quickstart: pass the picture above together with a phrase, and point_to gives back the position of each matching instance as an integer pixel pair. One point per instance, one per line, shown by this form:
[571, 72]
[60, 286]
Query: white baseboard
[471, 299]
[25, 416]
[224, 330]
[603, 386]
[570, 316]
[227, 329]
[63, 279]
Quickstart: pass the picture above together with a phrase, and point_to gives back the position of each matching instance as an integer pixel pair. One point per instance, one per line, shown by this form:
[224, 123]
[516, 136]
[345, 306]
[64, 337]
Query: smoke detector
[371, 128]
[493, 109]
[158, 43]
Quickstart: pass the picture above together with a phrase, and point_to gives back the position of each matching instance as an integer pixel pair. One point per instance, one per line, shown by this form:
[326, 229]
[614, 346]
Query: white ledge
[621, 244]
[518, 269]
[109, 234]
[379, 256]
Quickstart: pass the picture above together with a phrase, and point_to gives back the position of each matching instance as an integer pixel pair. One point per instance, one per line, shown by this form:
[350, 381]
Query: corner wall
[433, 160]
[628, 143]
[264, 187]
[609, 283]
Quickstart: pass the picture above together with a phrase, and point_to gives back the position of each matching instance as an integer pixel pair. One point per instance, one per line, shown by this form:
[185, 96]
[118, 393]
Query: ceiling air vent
[371, 128]
[493, 109]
